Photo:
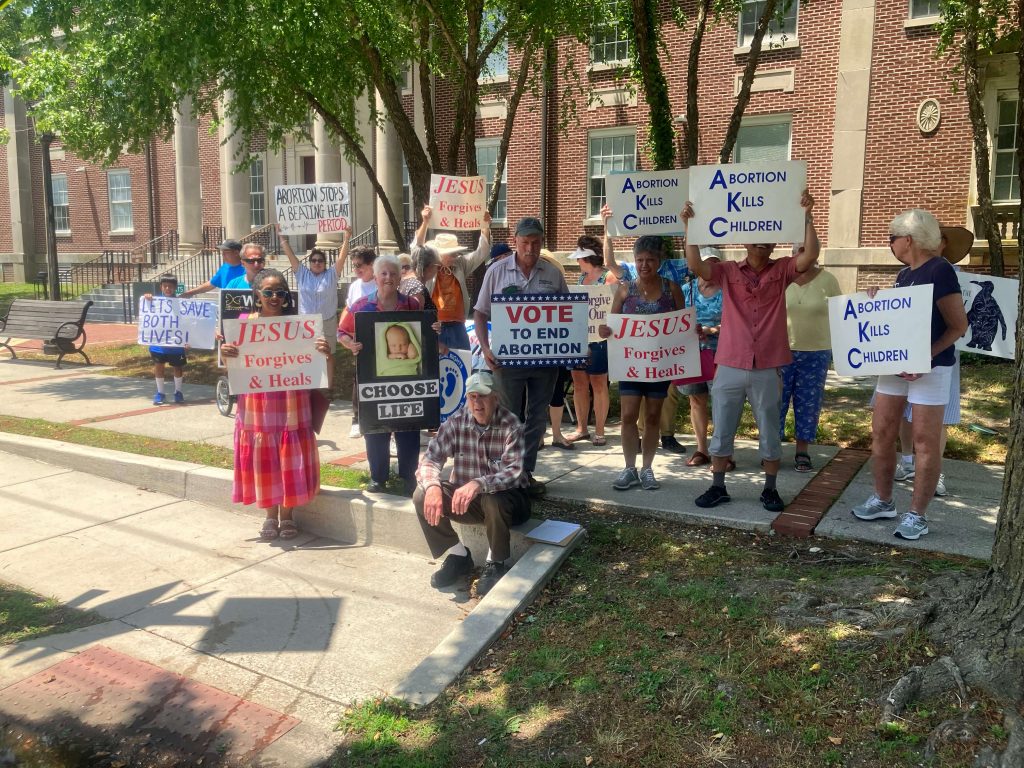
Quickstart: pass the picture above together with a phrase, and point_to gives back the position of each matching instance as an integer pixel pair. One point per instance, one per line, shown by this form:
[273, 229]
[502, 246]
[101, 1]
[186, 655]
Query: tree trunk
[753, 59]
[979, 130]
[522, 79]
[647, 69]
[426, 95]
[692, 69]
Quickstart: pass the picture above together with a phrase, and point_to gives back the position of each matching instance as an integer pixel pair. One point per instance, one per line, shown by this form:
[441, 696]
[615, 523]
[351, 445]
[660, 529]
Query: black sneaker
[376, 488]
[536, 488]
[771, 500]
[712, 497]
[670, 444]
[452, 569]
[489, 576]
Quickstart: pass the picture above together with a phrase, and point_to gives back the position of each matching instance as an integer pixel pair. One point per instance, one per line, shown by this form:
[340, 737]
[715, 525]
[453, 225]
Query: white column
[19, 186]
[234, 186]
[328, 171]
[187, 181]
[389, 172]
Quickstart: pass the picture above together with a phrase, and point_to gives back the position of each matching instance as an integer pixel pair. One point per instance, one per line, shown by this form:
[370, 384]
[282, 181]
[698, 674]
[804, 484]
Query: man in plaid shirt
[487, 485]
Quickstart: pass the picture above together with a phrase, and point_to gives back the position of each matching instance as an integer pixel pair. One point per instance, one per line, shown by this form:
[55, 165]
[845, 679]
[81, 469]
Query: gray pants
[536, 384]
[732, 387]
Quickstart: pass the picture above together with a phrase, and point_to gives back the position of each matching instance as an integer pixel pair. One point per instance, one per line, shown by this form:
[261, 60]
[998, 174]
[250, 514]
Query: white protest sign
[660, 347]
[454, 370]
[312, 209]
[538, 329]
[458, 201]
[600, 298]
[275, 354]
[886, 335]
[747, 203]
[991, 305]
[173, 322]
[647, 203]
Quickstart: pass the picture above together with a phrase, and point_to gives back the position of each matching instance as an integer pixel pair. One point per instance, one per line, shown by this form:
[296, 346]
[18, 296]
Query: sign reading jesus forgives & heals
[661, 347]
[275, 354]
[458, 201]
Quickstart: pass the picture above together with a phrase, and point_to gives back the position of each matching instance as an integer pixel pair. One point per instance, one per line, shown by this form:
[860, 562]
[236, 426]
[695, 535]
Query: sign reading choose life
[747, 203]
[649, 348]
[458, 202]
[275, 354]
[312, 209]
[647, 203]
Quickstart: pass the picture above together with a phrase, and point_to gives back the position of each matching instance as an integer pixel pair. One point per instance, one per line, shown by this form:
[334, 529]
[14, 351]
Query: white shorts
[930, 389]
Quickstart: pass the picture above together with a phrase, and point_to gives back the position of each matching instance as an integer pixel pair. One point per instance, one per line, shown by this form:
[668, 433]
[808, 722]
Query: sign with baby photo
[397, 371]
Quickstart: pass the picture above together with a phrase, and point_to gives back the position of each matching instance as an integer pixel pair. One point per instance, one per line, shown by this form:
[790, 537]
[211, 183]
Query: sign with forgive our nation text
[312, 209]
[275, 354]
[458, 201]
[174, 322]
[662, 347]
[539, 329]
[747, 203]
[600, 298]
[647, 202]
[887, 335]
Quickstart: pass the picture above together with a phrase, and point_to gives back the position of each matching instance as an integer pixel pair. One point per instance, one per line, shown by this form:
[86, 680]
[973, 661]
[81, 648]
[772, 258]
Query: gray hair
[652, 244]
[385, 260]
[249, 246]
[424, 258]
[922, 227]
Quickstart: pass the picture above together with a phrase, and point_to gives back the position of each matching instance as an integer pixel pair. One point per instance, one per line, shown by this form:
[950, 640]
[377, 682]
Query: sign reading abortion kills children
[538, 329]
[170, 322]
[991, 305]
[647, 203]
[458, 201]
[275, 354]
[397, 371]
[886, 335]
[661, 347]
[747, 203]
[600, 298]
[312, 209]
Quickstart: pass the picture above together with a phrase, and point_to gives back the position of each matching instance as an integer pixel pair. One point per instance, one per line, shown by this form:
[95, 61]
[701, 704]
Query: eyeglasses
[270, 293]
[894, 238]
[318, 261]
[406, 268]
[257, 260]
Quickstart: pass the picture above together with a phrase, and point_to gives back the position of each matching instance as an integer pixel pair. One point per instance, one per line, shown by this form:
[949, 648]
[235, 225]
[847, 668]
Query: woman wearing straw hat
[448, 290]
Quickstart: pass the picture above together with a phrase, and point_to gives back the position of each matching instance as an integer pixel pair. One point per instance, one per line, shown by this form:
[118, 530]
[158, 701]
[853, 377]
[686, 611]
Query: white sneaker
[904, 471]
[875, 509]
[393, 447]
[912, 527]
[940, 487]
[355, 431]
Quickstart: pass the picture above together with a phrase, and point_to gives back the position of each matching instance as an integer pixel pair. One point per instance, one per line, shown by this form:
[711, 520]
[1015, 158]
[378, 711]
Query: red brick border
[348, 461]
[806, 510]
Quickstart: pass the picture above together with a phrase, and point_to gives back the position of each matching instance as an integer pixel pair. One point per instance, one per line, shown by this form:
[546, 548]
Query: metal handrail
[111, 267]
[164, 245]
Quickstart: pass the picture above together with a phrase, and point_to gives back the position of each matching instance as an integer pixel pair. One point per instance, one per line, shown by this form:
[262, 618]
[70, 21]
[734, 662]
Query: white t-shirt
[358, 289]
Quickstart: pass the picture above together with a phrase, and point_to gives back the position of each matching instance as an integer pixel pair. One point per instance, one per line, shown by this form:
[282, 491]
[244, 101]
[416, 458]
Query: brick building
[851, 86]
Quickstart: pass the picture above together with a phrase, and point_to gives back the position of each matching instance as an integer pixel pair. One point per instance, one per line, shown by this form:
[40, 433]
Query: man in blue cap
[231, 253]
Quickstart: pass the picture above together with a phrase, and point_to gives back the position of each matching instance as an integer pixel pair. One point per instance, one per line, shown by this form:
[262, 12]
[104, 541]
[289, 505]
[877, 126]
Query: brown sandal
[699, 459]
[575, 438]
[289, 530]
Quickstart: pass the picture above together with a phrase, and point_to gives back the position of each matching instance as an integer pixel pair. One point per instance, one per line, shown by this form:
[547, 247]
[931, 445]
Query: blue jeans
[377, 455]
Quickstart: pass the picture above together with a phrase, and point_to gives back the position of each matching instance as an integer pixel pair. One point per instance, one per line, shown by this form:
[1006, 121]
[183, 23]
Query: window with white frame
[763, 139]
[608, 152]
[777, 33]
[921, 8]
[486, 165]
[257, 193]
[496, 66]
[119, 187]
[609, 42]
[1005, 182]
[407, 212]
[61, 212]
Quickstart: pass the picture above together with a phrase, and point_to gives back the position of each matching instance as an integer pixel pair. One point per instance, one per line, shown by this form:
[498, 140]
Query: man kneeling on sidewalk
[487, 486]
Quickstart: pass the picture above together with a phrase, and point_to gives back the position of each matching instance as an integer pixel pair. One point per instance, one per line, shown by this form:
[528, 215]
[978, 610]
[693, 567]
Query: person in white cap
[449, 291]
[487, 485]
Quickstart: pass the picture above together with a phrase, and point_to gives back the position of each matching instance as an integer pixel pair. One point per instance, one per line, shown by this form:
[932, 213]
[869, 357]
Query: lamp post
[52, 278]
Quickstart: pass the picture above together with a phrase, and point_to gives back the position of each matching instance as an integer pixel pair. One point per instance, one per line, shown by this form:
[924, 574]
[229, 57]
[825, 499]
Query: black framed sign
[397, 371]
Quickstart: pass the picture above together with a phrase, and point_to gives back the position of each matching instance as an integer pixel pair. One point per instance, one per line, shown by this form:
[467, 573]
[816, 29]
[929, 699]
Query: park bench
[60, 325]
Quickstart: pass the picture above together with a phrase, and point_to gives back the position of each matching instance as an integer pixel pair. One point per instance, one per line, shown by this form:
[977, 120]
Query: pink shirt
[754, 332]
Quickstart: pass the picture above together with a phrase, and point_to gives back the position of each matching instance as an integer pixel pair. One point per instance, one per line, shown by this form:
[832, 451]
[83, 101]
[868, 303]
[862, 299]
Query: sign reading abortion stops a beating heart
[312, 209]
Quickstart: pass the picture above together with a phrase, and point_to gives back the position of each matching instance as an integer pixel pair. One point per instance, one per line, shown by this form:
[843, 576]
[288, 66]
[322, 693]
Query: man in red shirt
[753, 346]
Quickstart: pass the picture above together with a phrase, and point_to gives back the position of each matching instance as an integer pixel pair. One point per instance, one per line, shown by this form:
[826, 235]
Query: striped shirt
[491, 455]
[318, 294]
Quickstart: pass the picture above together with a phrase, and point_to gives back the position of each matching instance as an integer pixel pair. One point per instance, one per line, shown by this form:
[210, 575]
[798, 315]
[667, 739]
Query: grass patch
[24, 615]
[11, 291]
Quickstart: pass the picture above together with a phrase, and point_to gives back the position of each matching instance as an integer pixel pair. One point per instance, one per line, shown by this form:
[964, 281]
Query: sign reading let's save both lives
[275, 354]
[172, 322]
[885, 335]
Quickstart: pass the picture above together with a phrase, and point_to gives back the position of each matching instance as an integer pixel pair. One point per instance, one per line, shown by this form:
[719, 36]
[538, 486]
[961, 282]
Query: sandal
[579, 436]
[699, 459]
[289, 530]
[269, 530]
[564, 444]
[802, 463]
[599, 440]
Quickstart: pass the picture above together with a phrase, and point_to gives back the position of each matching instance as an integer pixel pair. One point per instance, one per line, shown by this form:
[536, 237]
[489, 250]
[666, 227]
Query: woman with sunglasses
[318, 285]
[277, 465]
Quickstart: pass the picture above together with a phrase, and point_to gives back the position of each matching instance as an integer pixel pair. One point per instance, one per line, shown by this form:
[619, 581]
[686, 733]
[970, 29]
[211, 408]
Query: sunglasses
[894, 238]
[318, 261]
[270, 293]
[406, 268]
[254, 261]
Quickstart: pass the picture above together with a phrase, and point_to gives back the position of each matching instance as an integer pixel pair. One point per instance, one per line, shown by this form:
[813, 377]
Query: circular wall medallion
[928, 115]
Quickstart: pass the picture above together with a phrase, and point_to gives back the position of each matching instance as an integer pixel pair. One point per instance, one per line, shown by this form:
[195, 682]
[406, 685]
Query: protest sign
[991, 305]
[886, 335]
[600, 298]
[173, 322]
[647, 203]
[458, 201]
[312, 209]
[747, 203]
[397, 371]
[453, 372]
[275, 354]
[659, 347]
[538, 329]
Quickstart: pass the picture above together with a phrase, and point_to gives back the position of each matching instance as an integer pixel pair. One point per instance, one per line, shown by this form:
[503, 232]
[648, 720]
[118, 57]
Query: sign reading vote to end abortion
[747, 203]
[172, 322]
[886, 335]
[538, 329]
[312, 209]
[275, 354]
[661, 347]
[991, 305]
[647, 203]
[458, 201]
